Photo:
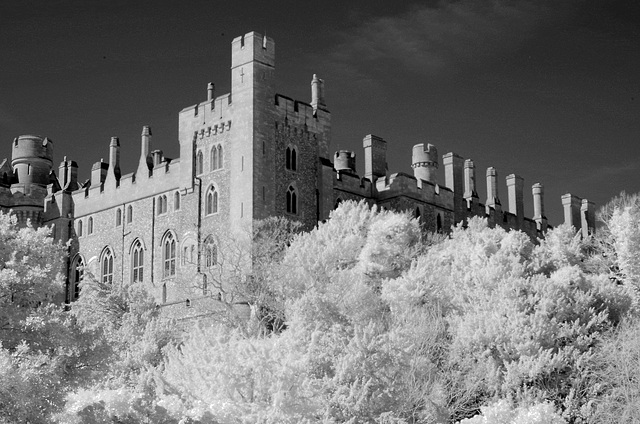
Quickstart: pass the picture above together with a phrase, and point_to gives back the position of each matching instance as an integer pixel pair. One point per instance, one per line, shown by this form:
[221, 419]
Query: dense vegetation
[365, 319]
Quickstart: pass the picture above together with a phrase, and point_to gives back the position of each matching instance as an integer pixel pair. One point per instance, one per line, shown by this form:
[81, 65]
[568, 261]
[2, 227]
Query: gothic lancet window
[169, 256]
[137, 262]
[211, 202]
[77, 272]
[292, 201]
[106, 266]
[210, 252]
[176, 201]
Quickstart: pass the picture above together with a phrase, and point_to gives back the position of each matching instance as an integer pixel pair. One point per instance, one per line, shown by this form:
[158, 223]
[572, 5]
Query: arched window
[220, 161]
[176, 200]
[79, 232]
[291, 159]
[162, 204]
[211, 202]
[169, 256]
[292, 201]
[118, 217]
[77, 272]
[90, 226]
[137, 262]
[129, 214]
[210, 252]
[199, 163]
[106, 266]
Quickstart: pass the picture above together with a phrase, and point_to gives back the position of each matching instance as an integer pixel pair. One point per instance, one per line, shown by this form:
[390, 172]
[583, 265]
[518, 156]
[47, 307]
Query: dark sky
[549, 90]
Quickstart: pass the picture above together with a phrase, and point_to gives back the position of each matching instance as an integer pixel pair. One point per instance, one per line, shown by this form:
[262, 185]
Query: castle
[244, 156]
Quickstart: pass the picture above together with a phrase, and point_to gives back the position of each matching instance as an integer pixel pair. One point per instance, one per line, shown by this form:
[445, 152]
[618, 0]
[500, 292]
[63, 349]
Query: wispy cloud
[429, 39]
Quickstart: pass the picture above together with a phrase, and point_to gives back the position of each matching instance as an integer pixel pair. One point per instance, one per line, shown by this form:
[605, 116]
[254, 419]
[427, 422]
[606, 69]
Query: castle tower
[424, 161]
[252, 96]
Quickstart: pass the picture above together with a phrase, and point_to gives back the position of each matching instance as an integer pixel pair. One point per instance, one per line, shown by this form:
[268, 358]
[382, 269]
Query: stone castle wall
[252, 127]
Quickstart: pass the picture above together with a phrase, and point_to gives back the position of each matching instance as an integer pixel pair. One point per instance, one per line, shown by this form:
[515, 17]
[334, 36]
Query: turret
[317, 93]
[345, 161]
[424, 161]
[32, 159]
[375, 157]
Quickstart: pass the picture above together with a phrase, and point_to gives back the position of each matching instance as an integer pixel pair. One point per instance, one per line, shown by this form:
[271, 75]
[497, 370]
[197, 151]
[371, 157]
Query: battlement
[252, 46]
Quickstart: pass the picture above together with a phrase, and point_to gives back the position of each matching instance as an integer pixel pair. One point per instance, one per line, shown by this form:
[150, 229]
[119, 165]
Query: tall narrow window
[291, 159]
[77, 272]
[164, 293]
[162, 205]
[211, 203]
[292, 201]
[199, 163]
[214, 158]
[176, 200]
[90, 225]
[210, 252]
[137, 262]
[129, 214]
[294, 160]
[220, 161]
[118, 217]
[169, 256]
[439, 224]
[79, 228]
[107, 266]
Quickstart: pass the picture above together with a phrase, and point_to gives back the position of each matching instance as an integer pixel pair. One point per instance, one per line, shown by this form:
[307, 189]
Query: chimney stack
[515, 186]
[317, 93]
[210, 91]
